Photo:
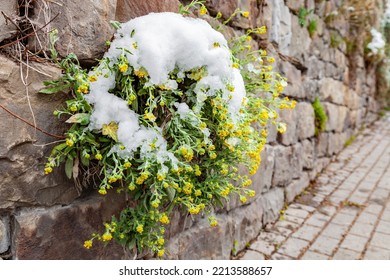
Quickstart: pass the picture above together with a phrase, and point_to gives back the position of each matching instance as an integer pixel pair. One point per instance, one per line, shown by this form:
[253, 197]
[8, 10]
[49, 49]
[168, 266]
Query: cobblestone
[348, 214]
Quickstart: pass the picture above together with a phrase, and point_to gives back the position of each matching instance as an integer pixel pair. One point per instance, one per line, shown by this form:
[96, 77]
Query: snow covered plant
[167, 117]
[377, 44]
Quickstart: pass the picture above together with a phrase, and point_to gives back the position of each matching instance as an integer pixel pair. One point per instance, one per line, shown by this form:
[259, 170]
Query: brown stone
[58, 233]
[83, 26]
[4, 234]
[23, 150]
[7, 29]
[129, 9]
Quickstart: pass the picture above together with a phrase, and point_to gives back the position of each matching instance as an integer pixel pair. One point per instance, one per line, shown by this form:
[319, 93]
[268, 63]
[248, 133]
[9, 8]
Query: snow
[160, 43]
[377, 43]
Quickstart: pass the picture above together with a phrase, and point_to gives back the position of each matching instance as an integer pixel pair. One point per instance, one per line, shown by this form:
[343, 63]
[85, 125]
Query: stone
[305, 116]
[295, 5]
[197, 241]
[7, 29]
[308, 155]
[5, 241]
[354, 242]
[129, 9]
[296, 161]
[262, 180]
[324, 245]
[310, 88]
[23, 150]
[335, 143]
[294, 79]
[332, 90]
[83, 27]
[300, 40]
[280, 27]
[296, 187]
[290, 118]
[272, 203]
[247, 222]
[59, 232]
[315, 68]
[252, 255]
[293, 247]
[282, 171]
[336, 116]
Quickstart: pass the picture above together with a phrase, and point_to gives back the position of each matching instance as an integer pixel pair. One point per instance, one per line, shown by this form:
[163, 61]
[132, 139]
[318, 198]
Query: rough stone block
[59, 232]
[7, 29]
[290, 118]
[316, 68]
[5, 241]
[332, 90]
[295, 4]
[305, 115]
[308, 155]
[196, 242]
[297, 186]
[83, 26]
[280, 26]
[297, 160]
[294, 79]
[22, 181]
[282, 171]
[129, 9]
[300, 40]
[262, 180]
[272, 203]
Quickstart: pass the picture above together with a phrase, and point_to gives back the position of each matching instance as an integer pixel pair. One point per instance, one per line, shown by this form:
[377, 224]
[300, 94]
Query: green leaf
[54, 89]
[171, 193]
[85, 161]
[69, 167]
[110, 130]
[81, 118]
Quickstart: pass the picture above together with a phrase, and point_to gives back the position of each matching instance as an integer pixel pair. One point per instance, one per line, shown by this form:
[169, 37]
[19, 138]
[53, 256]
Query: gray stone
[293, 247]
[375, 253]
[5, 241]
[83, 27]
[59, 232]
[262, 180]
[345, 254]
[310, 88]
[22, 159]
[310, 255]
[322, 144]
[7, 29]
[295, 4]
[316, 68]
[297, 161]
[354, 242]
[332, 90]
[300, 40]
[381, 240]
[297, 186]
[282, 171]
[252, 255]
[247, 223]
[307, 232]
[294, 79]
[290, 118]
[305, 115]
[308, 155]
[272, 203]
[263, 246]
[333, 114]
[280, 27]
[324, 245]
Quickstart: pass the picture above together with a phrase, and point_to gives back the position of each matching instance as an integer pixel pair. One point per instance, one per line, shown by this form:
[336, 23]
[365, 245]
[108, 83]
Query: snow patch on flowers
[158, 44]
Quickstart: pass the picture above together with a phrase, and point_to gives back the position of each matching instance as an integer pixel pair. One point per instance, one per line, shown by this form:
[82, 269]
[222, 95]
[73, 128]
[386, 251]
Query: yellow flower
[213, 155]
[92, 79]
[149, 116]
[140, 73]
[69, 142]
[127, 165]
[107, 236]
[216, 45]
[98, 156]
[103, 191]
[48, 170]
[242, 199]
[164, 219]
[245, 14]
[131, 187]
[160, 253]
[155, 203]
[123, 67]
[261, 30]
[236, 65]
[203, 10]
[213, 222]
[198, 193]
[140, 229]
[160, 176]
[88, 244]
[161, 241]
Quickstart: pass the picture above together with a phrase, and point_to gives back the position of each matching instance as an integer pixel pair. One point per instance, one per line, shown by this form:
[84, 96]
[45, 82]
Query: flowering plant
[168, 116]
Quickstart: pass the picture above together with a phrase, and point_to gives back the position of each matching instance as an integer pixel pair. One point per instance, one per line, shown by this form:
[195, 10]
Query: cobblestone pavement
[345, 214]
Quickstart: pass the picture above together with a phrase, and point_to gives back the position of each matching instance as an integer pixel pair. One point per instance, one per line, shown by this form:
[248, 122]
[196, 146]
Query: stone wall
[46, 217]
